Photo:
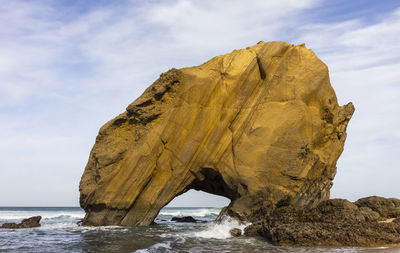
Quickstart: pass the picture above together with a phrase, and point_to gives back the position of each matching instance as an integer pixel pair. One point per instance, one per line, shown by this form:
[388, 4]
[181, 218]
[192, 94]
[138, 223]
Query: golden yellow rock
[260, 126]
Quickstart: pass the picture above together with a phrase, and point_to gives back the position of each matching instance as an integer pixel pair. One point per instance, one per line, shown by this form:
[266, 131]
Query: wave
[85, 229]
[195, 212]
[68, 216]
[220, 230]
[161, 246]
[45, 216]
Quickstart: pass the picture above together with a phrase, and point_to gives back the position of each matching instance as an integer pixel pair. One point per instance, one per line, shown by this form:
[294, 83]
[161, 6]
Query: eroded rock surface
[260, 126]
[371, 221]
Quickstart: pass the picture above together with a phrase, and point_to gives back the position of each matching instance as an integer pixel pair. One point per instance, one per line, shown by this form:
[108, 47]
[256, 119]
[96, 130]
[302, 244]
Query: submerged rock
[184, 219]
[260, 126]
[26, 223]
[335, 222]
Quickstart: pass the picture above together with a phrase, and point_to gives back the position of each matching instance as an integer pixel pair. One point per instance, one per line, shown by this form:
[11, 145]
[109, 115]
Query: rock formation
[235, 232]
[260, 126]
[189, 219]
[26, 223]
[372, 221]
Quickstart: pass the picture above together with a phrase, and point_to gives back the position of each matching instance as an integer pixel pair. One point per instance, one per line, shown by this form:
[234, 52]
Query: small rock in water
[235, 232]
[26, 223]
[184, 219]
[79, 222]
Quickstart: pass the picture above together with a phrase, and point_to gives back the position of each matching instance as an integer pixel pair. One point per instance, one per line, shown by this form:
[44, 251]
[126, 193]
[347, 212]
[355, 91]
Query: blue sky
[67, 67]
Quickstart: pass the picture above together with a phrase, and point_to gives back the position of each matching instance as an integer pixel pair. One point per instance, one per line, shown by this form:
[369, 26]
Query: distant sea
[60, 233]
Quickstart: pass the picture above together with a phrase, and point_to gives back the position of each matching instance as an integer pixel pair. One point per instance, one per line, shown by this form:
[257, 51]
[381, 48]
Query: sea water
[59, 232]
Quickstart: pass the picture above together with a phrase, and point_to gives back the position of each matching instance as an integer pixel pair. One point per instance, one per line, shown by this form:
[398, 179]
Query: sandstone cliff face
[260, 126]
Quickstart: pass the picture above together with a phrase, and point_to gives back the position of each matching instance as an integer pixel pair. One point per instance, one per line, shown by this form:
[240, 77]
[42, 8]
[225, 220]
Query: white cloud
[212, 26]
[353, 45]
[364, 61]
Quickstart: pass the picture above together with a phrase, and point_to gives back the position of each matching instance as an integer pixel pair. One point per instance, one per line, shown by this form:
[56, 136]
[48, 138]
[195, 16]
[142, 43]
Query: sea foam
[220, 230]
[161, 246]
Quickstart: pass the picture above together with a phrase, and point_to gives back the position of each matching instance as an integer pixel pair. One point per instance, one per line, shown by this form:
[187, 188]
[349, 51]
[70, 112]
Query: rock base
[372, 221]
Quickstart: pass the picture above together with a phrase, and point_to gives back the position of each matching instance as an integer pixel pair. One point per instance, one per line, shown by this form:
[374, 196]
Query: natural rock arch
[260, 126]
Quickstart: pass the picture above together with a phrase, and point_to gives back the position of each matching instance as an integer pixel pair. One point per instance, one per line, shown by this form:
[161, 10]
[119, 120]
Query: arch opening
[192, 206]
[198, 198]
[203, 199]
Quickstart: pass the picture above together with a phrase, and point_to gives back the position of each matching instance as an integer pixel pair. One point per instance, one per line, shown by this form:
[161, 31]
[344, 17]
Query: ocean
[60, 233]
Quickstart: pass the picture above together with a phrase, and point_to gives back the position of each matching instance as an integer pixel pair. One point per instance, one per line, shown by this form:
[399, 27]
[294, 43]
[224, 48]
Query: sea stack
[260, 126]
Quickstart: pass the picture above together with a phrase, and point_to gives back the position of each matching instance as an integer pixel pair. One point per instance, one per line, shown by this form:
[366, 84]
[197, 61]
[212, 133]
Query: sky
[67, 67]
